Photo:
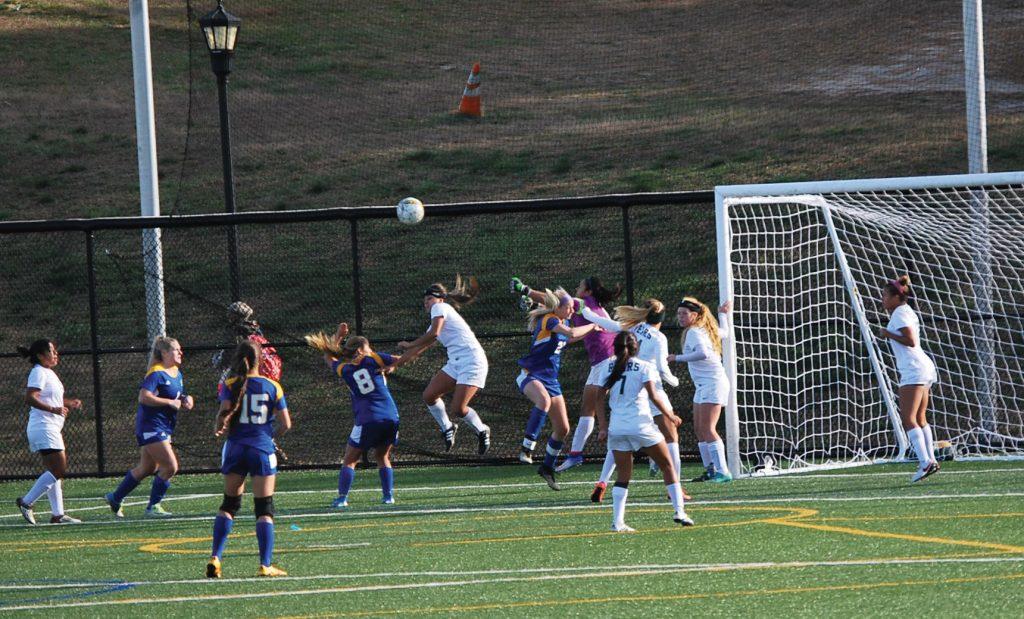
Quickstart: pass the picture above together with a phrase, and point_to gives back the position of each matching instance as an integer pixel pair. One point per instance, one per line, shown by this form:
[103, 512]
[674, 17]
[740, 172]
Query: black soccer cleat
[705, 476]
[548, 474]
[483, 441]
[449, 437]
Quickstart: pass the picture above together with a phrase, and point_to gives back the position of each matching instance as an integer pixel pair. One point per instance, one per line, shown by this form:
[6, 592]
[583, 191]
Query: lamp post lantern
[220, 30]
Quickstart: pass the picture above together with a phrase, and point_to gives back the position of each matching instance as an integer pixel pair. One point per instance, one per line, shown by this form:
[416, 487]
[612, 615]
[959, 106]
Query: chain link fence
[82, 284]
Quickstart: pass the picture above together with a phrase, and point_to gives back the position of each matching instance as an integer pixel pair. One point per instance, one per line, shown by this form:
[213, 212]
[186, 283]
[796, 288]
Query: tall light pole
[220, 29]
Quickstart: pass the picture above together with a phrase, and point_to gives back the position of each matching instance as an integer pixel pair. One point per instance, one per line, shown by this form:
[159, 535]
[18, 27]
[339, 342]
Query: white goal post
[804, 264]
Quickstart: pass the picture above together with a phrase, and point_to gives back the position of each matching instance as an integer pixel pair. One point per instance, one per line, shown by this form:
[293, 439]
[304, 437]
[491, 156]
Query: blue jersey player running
[362, 370]
[250, 405]
[161, 395]
[538, 379]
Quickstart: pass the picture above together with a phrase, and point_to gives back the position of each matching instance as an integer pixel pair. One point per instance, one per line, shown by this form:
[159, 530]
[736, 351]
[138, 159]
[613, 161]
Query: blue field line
[106, 586]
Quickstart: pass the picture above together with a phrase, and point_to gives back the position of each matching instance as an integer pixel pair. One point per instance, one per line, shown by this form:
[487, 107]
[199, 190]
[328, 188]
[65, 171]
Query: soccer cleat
[930, 469]
[26, 511]
[548, 474]
[64, 519]
[683, 519]
[388, 500]
[449, 437]
[720, 478]
[270, 571]
[653, 470]
[525, 455]
[157, 511]
[622, 528]
[483, 441]
[569, 462]
[705, 476]
[598, 494]
[340, 502]
[213, 568]
[114, 506]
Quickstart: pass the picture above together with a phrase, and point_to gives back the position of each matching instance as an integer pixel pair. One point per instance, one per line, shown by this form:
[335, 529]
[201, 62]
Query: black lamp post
[220, 30]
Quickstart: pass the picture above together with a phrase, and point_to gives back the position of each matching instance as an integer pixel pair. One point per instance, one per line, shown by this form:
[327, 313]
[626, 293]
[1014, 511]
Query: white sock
[56, 496]
[916, 436]
[438, 412]
[608, 468]
[929, 441]
[42, 484]
[705, 456]
[673, 452]
[675, 492]
[619, 506]
[474, 421]
[584, 428]
[717, 450]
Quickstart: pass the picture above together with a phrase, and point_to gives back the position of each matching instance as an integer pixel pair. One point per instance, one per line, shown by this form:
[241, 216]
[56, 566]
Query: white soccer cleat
[157, 511]
[683, 519]
[64, 519]
[26, 511]
[929, 469]
[622, 528]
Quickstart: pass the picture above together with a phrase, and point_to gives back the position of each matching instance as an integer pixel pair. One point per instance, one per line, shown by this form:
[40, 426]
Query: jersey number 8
[254, 409]
[364, 382]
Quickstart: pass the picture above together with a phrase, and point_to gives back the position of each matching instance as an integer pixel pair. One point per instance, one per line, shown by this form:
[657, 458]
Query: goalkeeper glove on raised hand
[516, 286]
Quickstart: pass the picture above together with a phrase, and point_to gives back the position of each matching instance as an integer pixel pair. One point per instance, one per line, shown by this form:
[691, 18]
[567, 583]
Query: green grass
[495, 541]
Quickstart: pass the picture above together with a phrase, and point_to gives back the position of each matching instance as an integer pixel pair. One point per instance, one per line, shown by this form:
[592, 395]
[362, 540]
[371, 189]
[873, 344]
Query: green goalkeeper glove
[516, 286]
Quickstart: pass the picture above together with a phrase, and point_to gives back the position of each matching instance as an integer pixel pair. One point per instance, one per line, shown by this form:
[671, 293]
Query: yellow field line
[934, 517]
[900, 536]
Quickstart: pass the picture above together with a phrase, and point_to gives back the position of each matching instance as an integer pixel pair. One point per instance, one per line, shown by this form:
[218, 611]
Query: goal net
[804, 264]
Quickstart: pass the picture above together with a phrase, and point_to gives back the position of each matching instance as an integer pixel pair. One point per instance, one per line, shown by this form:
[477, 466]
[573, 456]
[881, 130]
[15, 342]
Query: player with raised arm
[48, 408]
[376, 415]
[161, 395]
[250, 406]
[465, 373]
[599, 349]
[632, 386]
[916, 369]
[538, 380]
[644, 322]
[702, 351]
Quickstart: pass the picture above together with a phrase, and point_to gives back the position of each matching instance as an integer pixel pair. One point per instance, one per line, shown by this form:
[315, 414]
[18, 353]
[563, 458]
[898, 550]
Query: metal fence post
[628, 249]
[94, 346]
[357, 292]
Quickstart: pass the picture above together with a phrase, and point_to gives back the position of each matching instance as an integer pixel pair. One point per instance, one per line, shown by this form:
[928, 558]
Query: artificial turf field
[497, 541]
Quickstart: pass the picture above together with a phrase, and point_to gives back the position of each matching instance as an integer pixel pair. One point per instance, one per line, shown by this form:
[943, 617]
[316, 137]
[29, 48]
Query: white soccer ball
[410, 211]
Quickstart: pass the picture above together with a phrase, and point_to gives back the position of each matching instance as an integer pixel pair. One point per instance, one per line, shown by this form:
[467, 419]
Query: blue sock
[127, 484]
[265, 538]
[554, 448]
[387, 481]
[535, 423]
[345, 479]
[158, 490]
[221, 529]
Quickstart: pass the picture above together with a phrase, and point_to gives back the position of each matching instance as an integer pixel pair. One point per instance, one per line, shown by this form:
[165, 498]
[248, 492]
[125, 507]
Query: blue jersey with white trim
[546, 349]
[371, 399]
[253, 425]
[166, 383]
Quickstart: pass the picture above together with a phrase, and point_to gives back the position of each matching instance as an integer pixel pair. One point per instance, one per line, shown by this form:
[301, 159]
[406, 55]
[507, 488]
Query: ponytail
[626, 347]
[599, 292]
[899, 287]
[36, 348]
[652, 312]
[246, 357]
[464, 292]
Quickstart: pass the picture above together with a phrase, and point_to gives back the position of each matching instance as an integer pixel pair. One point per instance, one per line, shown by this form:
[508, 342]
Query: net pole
[725, 291]
[149, 187]
[865, 330]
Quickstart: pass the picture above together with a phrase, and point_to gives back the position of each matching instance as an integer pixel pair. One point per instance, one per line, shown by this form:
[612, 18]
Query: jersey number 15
[254, 409]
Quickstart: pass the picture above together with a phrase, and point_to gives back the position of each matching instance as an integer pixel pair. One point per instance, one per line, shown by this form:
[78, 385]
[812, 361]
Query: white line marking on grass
[535, 508]
[545, 574]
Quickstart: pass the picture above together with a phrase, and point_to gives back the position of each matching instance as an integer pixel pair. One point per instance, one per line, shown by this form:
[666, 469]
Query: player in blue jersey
[250, 407]
[161, 395]
[538, 379]
[362, 370]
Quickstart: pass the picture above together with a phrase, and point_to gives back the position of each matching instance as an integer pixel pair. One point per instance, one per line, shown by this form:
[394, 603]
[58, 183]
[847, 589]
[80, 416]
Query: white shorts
[467, 368]
[638, 439]
[712, 392]
[925, 378]
[595, 373]
[44, 437]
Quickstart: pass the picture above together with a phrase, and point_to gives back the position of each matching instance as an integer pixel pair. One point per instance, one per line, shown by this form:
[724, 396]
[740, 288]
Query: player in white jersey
[916, 369]
[631, 384]
[702, 351]
[48, 409]
[466, 370]
[645, 323]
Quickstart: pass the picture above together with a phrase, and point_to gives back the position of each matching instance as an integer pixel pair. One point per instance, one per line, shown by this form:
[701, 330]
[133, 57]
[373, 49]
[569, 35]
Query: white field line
[555, 507]
[596, 572]
[403, 490]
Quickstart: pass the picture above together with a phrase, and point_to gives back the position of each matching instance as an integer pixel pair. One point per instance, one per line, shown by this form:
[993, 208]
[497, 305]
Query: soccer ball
[410, 211]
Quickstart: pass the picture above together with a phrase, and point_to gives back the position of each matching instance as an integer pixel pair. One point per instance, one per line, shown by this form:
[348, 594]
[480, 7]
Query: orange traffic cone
[470, 104]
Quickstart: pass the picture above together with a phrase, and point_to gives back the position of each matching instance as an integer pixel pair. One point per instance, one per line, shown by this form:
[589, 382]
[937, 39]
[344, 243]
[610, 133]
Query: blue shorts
[155, 436]
[374, 434]
[247, 460]
[548, 381]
